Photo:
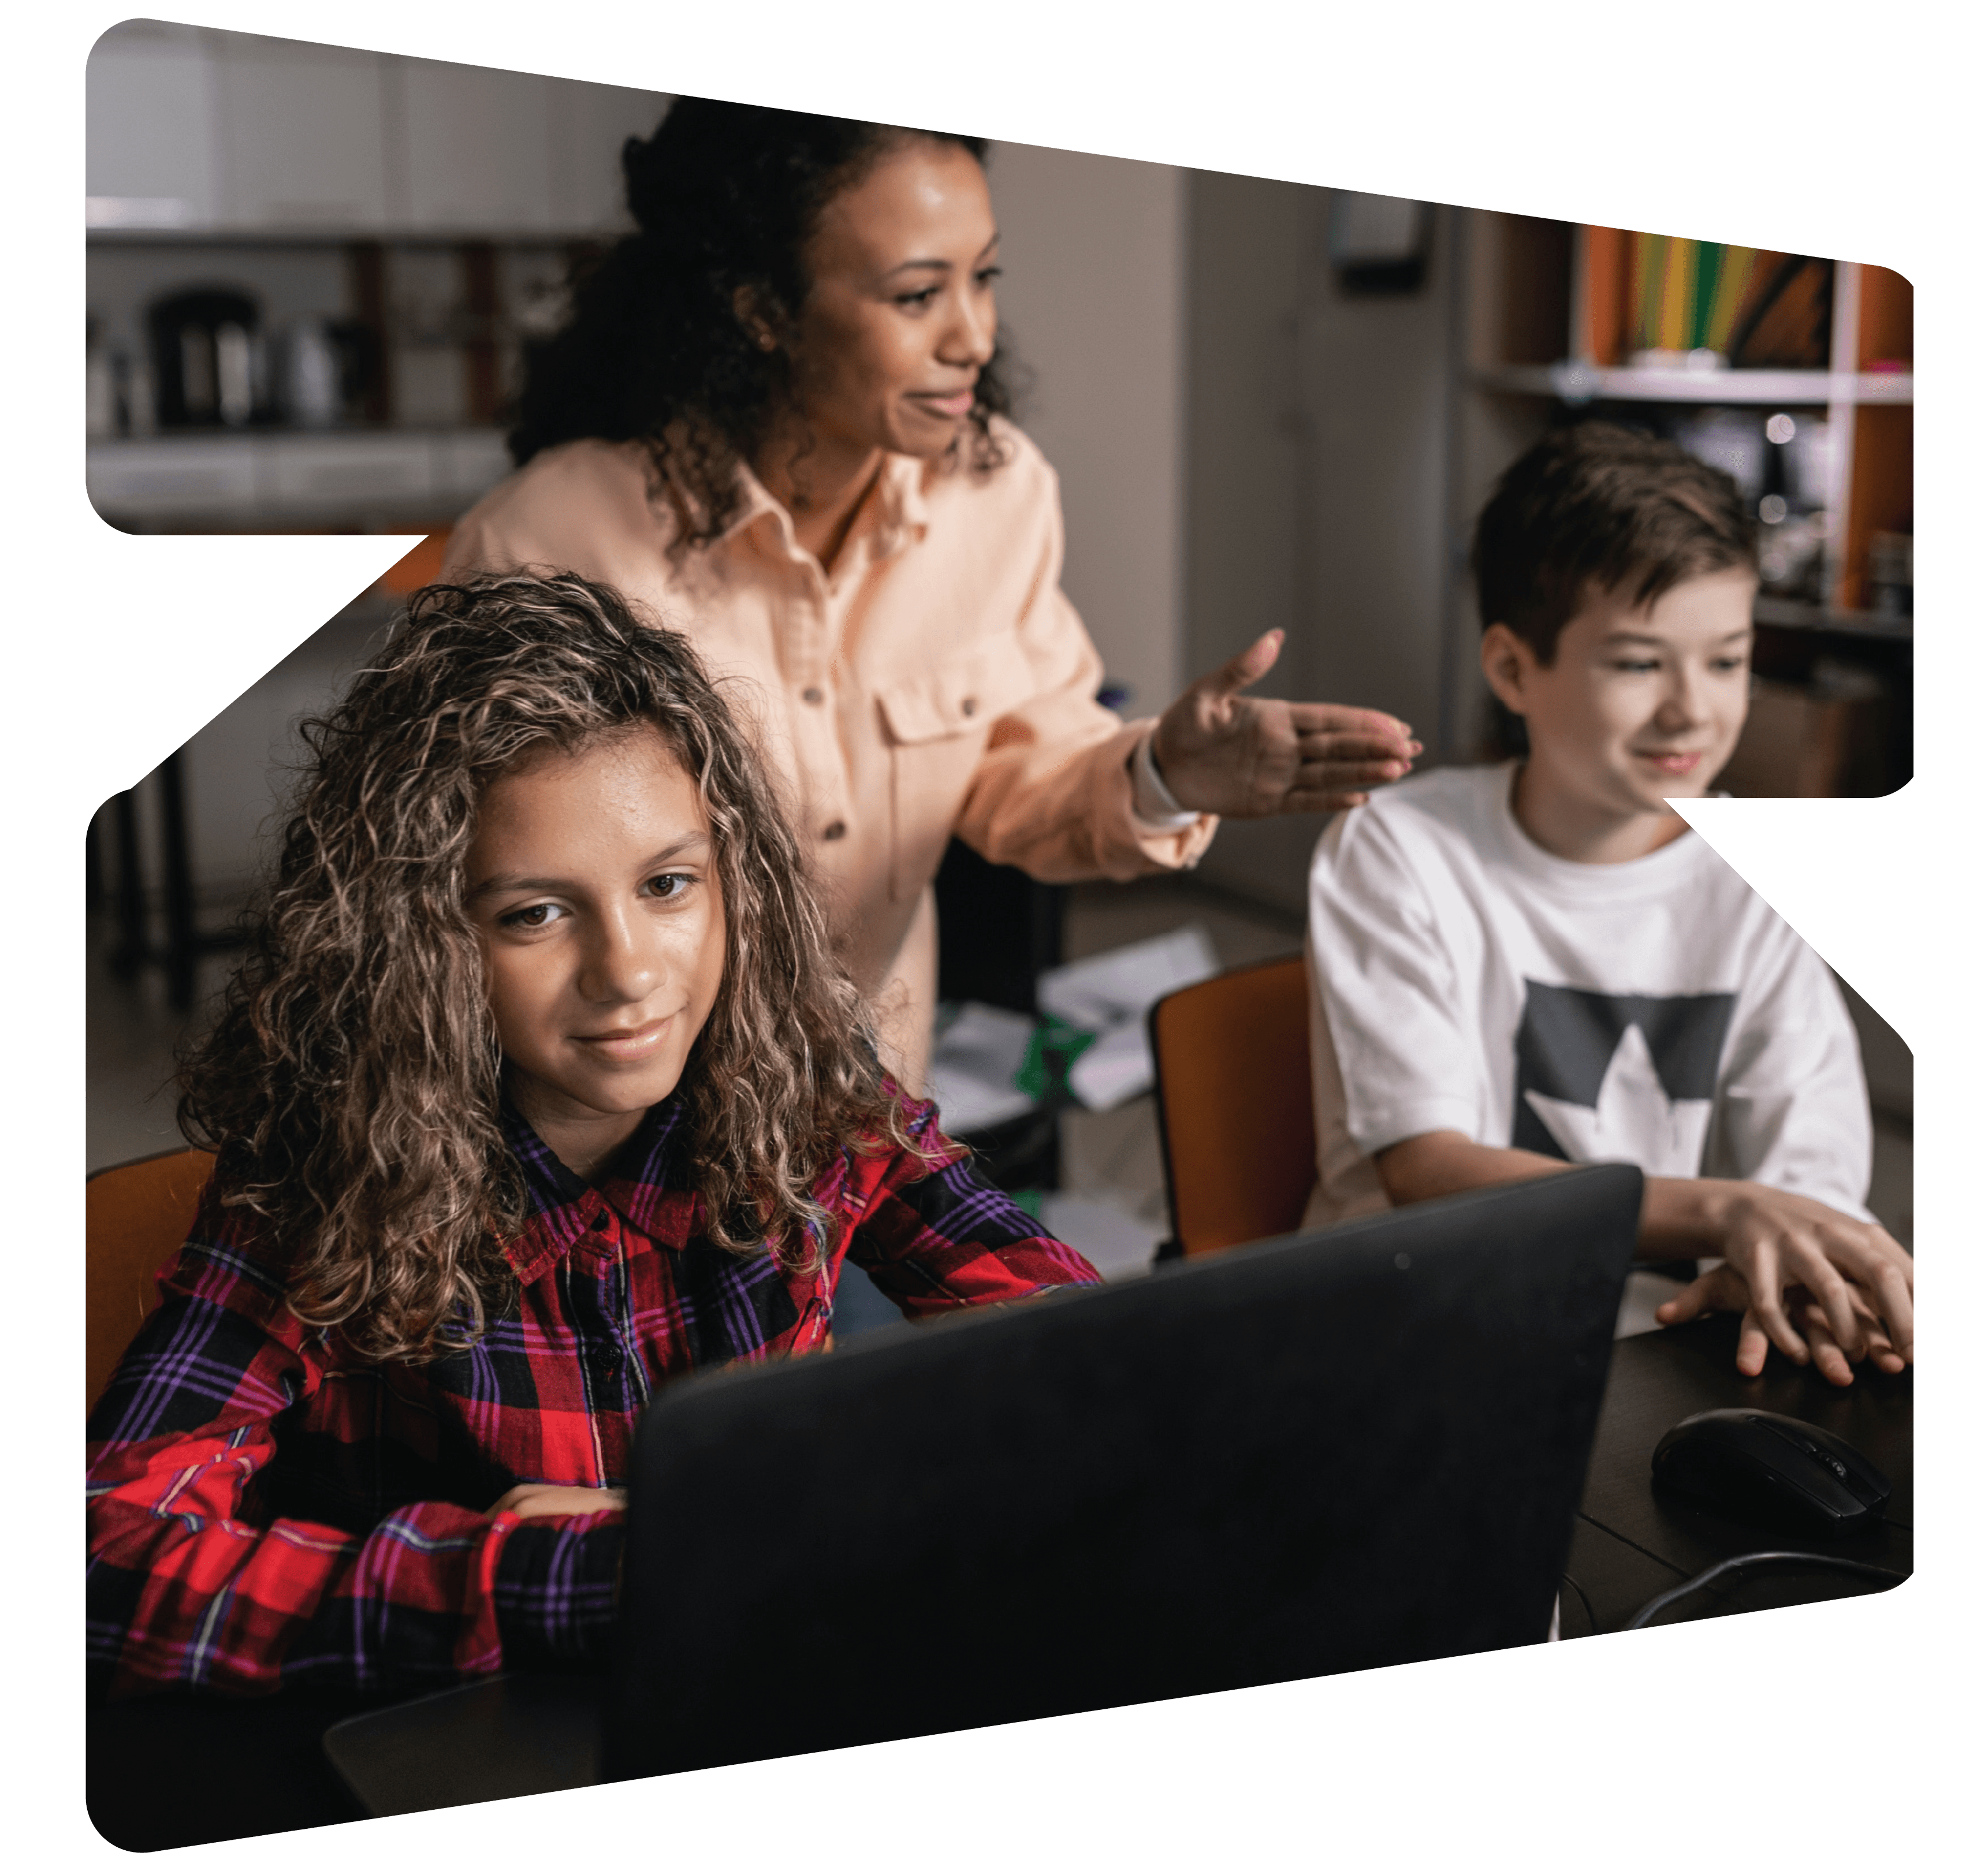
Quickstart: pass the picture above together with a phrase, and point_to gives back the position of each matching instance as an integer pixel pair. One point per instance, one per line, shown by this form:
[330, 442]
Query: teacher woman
[777, 418]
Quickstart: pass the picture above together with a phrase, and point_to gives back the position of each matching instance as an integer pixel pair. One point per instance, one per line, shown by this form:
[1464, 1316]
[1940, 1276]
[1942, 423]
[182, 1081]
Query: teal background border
[1821, 128]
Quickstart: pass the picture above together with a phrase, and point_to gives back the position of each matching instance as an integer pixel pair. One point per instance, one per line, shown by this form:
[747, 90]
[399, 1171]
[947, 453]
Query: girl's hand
[530, 1500]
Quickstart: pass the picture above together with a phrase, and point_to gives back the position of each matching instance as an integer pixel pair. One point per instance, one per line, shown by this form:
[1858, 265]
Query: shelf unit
[1578, 380]
[420, 217]
[1538, 336]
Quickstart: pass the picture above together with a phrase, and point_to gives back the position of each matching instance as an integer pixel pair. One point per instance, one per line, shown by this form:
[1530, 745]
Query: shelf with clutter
[311, 272]
[1792, 373]
[343, 385]
[340, 385]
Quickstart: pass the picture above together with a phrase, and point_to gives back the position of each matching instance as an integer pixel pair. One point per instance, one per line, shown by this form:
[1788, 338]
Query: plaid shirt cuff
[555, 1590]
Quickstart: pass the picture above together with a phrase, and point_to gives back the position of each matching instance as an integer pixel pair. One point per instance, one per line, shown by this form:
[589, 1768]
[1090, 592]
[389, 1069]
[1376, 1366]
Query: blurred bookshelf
[1791, 372]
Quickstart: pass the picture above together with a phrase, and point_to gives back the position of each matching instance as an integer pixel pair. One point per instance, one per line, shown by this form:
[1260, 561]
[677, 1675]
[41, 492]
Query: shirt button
[834, 829]
[812, 696]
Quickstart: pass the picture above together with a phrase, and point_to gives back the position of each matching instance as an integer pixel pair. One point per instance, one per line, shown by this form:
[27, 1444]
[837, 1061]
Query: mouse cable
[1593, 1628]
[1827, 1562]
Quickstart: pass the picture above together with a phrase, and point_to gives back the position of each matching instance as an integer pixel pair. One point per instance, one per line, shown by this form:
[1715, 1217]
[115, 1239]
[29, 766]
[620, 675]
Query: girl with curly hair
[780, 412]
[538, 1088]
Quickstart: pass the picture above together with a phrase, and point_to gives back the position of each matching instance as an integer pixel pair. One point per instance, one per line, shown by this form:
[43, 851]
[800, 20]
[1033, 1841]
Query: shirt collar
[644, 1182]
[895, 507]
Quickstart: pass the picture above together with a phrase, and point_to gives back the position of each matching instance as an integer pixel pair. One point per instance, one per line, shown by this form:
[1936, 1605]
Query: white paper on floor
[974, 1062]
[1110, 995]
[1113, 1068]
[1118, 1245]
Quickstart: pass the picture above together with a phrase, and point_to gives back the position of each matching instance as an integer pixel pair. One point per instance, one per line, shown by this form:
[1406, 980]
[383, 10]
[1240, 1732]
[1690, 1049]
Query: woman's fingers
[1329, 720]
[1346, 775]
[1355, 746]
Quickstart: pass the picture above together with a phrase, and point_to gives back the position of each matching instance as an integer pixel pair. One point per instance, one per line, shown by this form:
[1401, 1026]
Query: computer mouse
[1753, 1465]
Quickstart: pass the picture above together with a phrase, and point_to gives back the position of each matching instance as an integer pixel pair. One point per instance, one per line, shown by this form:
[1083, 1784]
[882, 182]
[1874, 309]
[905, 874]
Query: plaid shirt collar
[644, 1183]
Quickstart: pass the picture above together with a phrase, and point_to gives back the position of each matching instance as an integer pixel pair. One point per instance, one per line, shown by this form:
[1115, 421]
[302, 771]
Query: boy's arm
[1393, 1054]
[1858, 1278]
[1788, 1168]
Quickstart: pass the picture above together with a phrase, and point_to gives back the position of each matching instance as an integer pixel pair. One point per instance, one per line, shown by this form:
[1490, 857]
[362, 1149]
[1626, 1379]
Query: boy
[1519, 967]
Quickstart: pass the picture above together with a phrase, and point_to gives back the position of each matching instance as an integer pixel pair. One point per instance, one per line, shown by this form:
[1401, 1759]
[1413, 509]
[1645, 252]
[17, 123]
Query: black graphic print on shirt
[1618, 1078]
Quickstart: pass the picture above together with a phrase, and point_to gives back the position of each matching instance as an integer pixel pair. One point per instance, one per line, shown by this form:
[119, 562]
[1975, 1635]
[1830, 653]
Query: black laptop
[1327, 1453]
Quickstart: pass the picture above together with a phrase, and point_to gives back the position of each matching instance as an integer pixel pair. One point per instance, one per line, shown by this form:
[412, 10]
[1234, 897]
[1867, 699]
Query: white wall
[1094, 256]
[1314, 466]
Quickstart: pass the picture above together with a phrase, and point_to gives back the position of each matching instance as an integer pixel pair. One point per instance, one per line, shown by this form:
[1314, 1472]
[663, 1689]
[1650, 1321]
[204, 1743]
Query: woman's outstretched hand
[1220, 751]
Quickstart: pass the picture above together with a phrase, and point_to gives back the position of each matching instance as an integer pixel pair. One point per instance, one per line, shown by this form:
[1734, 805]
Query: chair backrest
[1232, 1058]
[421, 566]
[135, 1217]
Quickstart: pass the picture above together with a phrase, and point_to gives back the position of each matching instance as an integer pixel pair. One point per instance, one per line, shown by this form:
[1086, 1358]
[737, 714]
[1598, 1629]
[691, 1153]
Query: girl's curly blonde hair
[350, 1087]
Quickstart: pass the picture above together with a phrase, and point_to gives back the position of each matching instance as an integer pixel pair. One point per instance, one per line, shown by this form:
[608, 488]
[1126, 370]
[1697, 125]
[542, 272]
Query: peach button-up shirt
[934, 680]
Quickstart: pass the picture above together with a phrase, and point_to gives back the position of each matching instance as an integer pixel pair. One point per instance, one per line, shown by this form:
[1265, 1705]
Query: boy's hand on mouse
[1220, 751]
[1853, 1271]
[532, 1500]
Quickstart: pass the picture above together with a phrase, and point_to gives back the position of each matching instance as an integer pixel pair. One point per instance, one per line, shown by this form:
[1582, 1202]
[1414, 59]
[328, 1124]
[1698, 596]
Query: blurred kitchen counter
[360, 480]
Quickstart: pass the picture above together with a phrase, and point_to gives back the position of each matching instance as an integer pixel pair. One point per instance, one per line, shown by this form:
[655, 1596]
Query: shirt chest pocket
[935, 725]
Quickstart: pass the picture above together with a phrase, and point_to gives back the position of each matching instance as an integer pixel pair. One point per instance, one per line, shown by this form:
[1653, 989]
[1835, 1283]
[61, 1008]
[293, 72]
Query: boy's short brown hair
[1596, 505]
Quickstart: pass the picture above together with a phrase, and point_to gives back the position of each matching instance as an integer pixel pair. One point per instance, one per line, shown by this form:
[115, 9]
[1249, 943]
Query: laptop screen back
[1327, 1453]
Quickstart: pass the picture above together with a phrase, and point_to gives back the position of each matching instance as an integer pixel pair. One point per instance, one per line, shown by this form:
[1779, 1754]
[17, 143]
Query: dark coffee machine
[207, 358]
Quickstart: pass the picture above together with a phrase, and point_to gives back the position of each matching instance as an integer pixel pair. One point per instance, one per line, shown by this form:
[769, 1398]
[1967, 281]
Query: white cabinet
[589, 124]
[203, 131]
[365, 478]
[476, 144]
[151, 160]
[171, 476]
[302, 136]
[297, 472]
[508, 153]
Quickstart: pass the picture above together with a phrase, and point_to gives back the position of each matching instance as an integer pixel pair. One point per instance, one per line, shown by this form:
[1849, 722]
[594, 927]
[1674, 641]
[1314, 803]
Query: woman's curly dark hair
[350, 1088]
[724, 196]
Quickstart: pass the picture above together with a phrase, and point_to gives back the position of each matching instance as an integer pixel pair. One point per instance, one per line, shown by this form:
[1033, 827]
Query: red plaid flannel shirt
[266, 1507]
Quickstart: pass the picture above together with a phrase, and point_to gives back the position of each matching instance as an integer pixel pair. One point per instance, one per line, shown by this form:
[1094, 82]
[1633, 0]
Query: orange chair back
[135, 1218]
[421, 566]
[1232, 1058]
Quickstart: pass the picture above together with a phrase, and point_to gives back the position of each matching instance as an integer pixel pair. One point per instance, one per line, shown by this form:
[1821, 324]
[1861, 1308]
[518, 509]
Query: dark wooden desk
[517, 1735]
[1631, 1543]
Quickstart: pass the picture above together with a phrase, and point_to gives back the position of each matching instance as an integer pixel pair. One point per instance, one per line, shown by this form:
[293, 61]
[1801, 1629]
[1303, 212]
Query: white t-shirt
[1656, 1012]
